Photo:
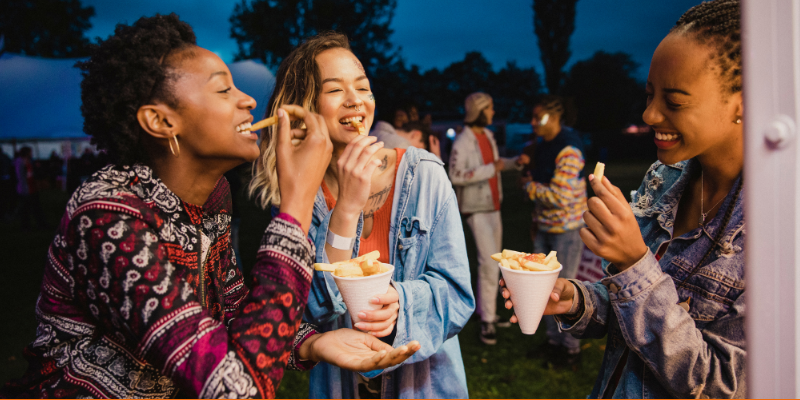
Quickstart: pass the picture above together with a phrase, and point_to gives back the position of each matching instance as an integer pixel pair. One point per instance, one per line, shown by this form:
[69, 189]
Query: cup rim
[358, 278]
[560, 267]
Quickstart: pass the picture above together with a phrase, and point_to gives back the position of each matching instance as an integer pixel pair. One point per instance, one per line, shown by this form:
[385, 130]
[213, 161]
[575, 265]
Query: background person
[140, 296]
[422, 137]
[673, 302]
[475, 172]
[372, 198]
[27, 190]
[558, 190]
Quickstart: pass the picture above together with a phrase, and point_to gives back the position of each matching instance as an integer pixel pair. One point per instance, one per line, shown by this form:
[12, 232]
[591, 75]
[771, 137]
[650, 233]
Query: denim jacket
[672, 353]
[431, 276]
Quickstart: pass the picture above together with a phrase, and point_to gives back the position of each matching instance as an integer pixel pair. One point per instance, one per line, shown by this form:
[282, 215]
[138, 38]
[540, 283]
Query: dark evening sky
[434, 33]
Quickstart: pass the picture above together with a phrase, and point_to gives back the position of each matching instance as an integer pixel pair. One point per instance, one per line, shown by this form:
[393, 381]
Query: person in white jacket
[475, 168]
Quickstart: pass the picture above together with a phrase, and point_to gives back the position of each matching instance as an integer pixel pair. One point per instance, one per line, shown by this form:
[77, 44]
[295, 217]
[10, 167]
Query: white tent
[40, 101]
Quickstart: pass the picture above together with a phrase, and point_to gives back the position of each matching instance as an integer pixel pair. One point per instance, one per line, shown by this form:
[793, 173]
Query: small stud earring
[738, 121]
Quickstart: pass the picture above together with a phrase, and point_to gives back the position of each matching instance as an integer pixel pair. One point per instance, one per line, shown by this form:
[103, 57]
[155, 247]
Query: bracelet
[340, 242]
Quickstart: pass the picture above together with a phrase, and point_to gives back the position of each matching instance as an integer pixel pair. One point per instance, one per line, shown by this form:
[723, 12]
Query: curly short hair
[126, 71]
[718, 23]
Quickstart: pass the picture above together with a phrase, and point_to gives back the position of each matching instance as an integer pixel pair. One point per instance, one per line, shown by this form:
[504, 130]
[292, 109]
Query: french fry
[370, 267]
[599, 170]
[264, 123]
[348, 271]
[362, 130]
[324, 267]
[551, 255]
[365, 265]
[527, 262]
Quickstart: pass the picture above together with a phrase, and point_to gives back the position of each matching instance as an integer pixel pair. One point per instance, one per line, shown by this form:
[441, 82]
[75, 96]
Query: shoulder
[424, 172]
[111, 190]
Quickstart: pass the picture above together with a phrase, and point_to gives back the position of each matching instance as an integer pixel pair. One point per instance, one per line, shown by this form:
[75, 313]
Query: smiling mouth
[667, 137]
[351, 121]
[244, 128]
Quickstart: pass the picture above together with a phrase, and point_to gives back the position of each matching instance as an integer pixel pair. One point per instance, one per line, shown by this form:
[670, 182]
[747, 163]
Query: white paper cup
[529, 292]
[357, 292]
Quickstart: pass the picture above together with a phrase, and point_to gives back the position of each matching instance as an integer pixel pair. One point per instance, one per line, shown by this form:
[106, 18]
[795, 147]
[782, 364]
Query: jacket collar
[666, 206]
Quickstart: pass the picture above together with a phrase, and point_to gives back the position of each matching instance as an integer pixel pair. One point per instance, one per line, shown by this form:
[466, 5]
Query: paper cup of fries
[357, 291]
[529, 291]
[530, 279]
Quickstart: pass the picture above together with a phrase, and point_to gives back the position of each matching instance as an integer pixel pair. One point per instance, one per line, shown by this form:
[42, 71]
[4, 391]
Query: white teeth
[244, 128]
[351, 119]
[667, 137]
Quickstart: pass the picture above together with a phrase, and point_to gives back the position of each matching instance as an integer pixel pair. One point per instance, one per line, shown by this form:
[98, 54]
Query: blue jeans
[569, 246]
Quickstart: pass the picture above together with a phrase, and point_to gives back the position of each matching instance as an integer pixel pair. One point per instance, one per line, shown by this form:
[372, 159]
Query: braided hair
[126, 71]
[717, 23]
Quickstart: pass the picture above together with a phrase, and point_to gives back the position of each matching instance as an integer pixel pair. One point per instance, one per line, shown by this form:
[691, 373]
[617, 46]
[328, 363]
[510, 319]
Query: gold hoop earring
[738, 121]
[178, 154]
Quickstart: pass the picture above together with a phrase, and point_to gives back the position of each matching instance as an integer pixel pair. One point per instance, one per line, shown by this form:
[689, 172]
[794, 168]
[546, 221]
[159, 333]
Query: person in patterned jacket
[141, 296]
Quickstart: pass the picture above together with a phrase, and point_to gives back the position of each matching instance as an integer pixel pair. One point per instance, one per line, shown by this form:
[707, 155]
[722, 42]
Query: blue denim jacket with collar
[432, 278]
[672, 353]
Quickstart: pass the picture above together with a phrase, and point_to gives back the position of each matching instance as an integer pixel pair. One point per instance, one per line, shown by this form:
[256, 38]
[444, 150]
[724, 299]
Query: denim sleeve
[593, 323]
[688, 361]
[436, 305]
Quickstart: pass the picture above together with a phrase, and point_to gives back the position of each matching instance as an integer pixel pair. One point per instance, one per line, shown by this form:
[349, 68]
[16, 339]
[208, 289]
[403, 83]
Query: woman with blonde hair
[392, 200]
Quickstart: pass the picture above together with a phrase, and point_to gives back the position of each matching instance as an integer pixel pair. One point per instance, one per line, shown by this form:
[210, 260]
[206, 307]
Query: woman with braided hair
[672, 302]
[141, 296]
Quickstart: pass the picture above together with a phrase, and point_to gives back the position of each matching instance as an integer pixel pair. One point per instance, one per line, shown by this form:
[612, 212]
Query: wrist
[344, 214]
[306, 351]
[626, 264]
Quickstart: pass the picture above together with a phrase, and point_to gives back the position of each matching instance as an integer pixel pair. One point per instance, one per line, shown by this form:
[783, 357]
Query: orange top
[488, 158]
[378, 239]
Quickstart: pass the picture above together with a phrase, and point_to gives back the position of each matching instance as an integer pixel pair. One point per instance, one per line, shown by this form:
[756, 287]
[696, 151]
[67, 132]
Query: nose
[247, 102]
[651, 115]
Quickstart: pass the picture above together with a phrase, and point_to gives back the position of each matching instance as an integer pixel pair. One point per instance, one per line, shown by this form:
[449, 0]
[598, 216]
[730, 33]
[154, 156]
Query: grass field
[500, 371]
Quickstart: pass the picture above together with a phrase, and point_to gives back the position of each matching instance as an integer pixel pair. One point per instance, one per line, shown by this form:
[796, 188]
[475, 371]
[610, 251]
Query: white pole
[771, 56]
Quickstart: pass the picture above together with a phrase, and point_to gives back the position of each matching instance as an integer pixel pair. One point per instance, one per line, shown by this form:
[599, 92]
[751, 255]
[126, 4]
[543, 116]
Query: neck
[552, 135]
[722, 166]
[192, 181]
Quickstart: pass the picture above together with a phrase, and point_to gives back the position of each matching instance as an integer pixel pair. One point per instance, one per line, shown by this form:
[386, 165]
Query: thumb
[284, 129]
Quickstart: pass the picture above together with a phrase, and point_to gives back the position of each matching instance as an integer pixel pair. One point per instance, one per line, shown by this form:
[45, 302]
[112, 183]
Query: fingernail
[375, 299]
[373, 333]
[359, 325]
[362, 315]
[281, 113]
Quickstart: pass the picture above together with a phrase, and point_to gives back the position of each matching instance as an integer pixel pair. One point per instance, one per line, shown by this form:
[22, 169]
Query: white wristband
[340, 242]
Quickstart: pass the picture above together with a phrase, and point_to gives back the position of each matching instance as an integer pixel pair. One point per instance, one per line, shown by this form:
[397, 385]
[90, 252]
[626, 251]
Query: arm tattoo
[384, 163]
[376, 199]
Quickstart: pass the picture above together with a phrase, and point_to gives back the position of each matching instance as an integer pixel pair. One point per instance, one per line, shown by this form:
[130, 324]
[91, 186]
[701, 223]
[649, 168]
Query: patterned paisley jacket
[141, 298]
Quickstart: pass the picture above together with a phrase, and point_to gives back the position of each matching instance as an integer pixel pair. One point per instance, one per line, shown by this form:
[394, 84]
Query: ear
[158, 120]
[738, 104]
[416, 135]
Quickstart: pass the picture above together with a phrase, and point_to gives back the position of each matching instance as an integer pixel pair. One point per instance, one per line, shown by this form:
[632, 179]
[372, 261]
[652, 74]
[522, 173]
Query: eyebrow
[217, 73]
[339, 80]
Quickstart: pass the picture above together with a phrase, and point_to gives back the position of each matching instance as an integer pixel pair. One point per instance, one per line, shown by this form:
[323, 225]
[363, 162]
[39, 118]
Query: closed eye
[226, 91]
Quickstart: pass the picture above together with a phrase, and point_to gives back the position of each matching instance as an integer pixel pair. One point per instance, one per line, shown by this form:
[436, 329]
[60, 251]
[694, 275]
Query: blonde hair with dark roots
[298, 82]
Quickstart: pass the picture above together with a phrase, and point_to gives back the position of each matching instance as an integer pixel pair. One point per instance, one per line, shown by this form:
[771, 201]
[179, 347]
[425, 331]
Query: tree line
[603, 88]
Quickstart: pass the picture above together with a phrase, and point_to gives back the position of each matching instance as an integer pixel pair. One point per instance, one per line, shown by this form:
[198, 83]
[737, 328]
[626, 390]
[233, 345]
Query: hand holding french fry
[611, 229]
[308, 159]
[560, 300]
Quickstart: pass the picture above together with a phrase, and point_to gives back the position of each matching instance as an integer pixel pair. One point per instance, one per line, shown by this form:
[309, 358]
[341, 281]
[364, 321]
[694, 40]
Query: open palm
[359, 351]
